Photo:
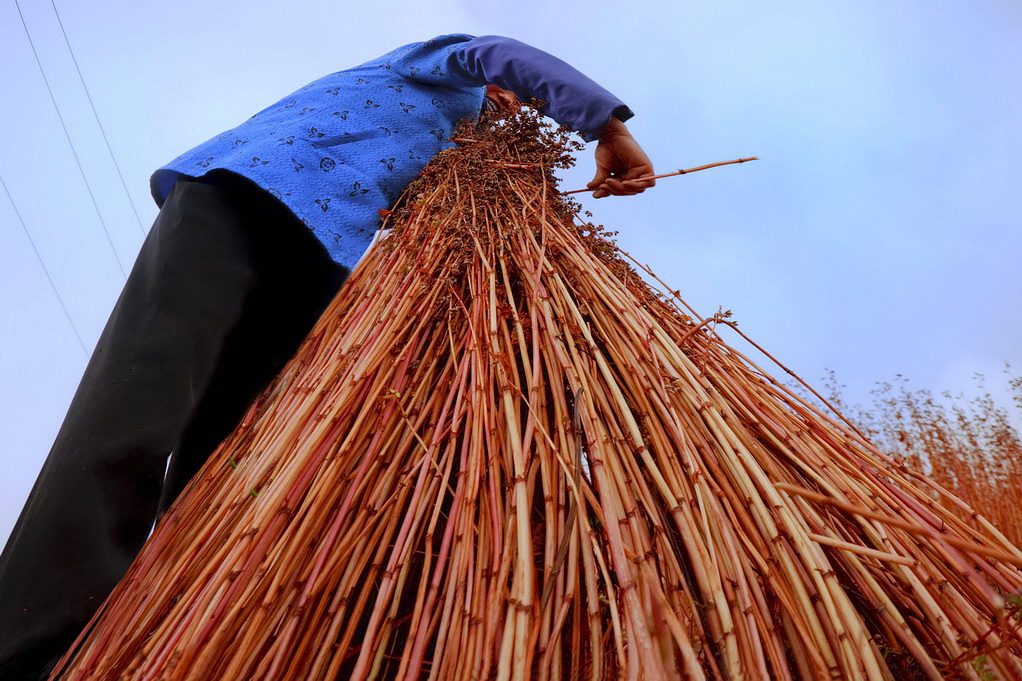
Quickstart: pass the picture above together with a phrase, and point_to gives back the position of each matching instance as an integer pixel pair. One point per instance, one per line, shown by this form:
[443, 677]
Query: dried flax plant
[502, 454]
[968, 446]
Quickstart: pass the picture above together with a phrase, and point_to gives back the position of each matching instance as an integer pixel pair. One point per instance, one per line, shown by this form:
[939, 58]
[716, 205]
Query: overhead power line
[98, 122]
[43, 265]
[74, 152]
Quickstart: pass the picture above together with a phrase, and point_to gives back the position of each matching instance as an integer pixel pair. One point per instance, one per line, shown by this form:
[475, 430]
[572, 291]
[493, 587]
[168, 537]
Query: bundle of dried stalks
[501, 454]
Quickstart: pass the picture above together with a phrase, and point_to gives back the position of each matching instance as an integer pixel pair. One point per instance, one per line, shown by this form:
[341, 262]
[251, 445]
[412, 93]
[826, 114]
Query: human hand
[619, 161]
[501, 99]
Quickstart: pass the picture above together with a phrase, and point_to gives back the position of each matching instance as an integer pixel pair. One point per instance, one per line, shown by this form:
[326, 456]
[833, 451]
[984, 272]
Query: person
[258, 228]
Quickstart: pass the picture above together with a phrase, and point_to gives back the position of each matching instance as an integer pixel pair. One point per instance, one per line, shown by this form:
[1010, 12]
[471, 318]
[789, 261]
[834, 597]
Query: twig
[677, 172]
[914, 528]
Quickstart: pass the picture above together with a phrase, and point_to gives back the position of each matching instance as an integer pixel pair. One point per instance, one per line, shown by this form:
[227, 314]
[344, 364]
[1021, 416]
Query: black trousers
[226, 286]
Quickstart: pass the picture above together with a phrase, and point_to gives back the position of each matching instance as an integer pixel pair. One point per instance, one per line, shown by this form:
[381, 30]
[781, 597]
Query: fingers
[613, 186]
[622, 169]
[503, 100]
[598, 179]
[599, 182]
[631, 179]
[621, 186]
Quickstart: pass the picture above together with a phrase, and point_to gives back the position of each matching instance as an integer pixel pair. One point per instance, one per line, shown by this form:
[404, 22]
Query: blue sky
[878, 235]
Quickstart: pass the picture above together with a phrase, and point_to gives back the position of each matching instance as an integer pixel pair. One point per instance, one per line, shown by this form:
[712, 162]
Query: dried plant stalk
[967, 446]
[502, 454]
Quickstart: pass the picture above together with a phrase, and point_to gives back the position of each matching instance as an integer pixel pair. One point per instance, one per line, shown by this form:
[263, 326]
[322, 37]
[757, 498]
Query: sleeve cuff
[621, 112]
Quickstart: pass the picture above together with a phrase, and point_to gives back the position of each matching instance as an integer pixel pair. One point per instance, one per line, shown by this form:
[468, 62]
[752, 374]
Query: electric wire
[74, 152]
[102, 130]
[42, 264]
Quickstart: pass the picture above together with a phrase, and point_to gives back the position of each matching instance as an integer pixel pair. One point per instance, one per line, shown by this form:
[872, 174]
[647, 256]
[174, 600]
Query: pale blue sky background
[878, 235]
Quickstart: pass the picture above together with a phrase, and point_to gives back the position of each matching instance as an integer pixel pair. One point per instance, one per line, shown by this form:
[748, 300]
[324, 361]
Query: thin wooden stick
[914, 528]
[862, 550]
[677, 172]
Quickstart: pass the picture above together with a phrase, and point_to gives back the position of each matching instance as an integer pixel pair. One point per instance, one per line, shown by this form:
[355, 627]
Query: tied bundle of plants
[502, 453]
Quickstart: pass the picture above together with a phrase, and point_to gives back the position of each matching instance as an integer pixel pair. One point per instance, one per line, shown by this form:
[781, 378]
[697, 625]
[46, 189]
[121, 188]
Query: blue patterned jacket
[344, 146]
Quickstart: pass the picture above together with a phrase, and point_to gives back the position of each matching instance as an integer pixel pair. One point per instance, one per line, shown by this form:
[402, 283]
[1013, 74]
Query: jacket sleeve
[572, 98]
[459, 60]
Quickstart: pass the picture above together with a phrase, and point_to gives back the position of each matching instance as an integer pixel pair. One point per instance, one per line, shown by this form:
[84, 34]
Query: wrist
[613, 128]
